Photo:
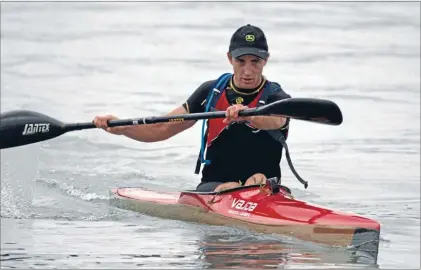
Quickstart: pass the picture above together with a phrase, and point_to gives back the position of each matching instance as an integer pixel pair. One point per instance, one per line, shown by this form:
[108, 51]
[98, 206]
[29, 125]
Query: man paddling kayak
[239, 150]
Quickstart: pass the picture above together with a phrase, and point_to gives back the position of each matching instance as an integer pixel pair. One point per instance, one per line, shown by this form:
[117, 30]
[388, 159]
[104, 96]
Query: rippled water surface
[76, 60]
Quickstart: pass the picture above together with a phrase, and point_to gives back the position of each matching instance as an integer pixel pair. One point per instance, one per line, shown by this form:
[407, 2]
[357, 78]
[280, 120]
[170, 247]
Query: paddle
[23, 127]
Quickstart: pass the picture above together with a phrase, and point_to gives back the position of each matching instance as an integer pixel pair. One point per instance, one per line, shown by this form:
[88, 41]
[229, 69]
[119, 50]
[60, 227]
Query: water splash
[72, 190]
[19, 168]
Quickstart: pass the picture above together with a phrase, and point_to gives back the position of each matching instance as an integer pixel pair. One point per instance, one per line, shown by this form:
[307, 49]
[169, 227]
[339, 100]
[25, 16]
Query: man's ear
[267, 58]
[229, 57]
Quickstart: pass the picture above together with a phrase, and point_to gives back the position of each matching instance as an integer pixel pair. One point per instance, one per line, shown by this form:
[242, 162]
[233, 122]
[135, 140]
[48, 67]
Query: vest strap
[212, 98]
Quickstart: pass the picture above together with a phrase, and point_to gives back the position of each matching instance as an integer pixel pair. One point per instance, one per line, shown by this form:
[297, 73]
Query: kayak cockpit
[272, 185]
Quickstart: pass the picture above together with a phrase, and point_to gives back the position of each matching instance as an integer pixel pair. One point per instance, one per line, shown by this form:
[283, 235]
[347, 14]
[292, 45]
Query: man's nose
[248, 70]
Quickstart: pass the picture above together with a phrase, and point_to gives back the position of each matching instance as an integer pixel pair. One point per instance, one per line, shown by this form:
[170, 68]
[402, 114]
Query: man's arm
[163, 131]
[268, 122]
[160, 131]
[271, 122]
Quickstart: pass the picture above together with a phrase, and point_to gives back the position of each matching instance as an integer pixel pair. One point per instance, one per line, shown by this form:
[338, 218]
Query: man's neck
[246, 90]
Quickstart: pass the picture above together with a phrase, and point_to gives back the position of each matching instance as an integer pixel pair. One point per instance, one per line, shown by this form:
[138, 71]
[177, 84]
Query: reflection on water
[244, 254]
[222, 251]
[63, 243]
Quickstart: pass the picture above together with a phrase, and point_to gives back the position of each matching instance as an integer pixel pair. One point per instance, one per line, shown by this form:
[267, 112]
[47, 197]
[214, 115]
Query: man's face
[248, 70]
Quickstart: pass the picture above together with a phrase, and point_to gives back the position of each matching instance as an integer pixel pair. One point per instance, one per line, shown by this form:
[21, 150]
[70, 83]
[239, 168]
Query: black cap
[249, 39]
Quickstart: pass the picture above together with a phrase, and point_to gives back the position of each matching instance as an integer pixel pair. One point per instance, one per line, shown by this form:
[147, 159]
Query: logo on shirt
[239, 100]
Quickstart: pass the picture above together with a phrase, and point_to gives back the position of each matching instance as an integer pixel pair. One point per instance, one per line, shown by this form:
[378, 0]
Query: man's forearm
[159, 131]
[267, 122]
[156, 132]
[147, 133]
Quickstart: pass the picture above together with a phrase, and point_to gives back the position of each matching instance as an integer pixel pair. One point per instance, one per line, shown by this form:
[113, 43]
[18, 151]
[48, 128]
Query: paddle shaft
[160, 119]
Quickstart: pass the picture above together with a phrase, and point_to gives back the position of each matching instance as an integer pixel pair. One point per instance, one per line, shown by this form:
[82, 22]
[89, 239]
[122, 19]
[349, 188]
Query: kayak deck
[253, 207]
[147, 195]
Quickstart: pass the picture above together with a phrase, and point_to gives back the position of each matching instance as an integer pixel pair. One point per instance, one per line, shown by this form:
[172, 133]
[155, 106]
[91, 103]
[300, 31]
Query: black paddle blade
[23, 127]
[308, 109]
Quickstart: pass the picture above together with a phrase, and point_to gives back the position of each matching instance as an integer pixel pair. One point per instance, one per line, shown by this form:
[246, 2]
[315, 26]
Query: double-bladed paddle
[22, 127]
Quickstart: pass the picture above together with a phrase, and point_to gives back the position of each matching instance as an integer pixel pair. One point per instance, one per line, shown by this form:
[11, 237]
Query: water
[76, 60]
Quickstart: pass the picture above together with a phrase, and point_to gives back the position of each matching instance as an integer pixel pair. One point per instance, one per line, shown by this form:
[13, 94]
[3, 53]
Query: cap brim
[249, 51]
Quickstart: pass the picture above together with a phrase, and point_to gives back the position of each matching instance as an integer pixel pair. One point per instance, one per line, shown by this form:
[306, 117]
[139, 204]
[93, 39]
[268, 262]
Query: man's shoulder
[207, 85]
[278, 91]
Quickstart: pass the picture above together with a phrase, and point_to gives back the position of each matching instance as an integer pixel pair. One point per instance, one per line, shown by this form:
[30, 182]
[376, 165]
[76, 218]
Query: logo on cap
[250, 38]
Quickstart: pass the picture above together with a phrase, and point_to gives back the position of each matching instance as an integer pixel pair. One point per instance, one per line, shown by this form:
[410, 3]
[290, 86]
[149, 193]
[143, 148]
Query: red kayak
[268, 209]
